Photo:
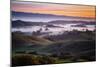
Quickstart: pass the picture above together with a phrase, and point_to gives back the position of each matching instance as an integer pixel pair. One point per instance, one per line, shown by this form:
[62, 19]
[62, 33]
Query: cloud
[57, 9]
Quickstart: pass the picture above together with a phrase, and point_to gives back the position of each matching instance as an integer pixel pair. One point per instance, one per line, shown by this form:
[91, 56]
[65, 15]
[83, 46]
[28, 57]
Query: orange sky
[56, 9]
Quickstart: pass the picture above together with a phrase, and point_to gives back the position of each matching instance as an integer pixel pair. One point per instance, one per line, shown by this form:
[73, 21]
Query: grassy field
[69, 47]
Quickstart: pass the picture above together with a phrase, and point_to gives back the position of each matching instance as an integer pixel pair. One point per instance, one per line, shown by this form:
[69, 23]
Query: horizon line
[56, 15]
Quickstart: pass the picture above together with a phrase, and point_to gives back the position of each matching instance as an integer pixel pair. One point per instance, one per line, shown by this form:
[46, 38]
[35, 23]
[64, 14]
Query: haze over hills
[20, 23]
[37, 17]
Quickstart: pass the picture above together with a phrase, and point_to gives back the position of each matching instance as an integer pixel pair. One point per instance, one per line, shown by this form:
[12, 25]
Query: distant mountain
[78, 25]
[20, 23]
[69, 22]
[33, 14]
[52, 26]
[43, 17]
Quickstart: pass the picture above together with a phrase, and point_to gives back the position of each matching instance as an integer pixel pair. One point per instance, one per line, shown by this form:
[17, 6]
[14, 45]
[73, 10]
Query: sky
[55, 9]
